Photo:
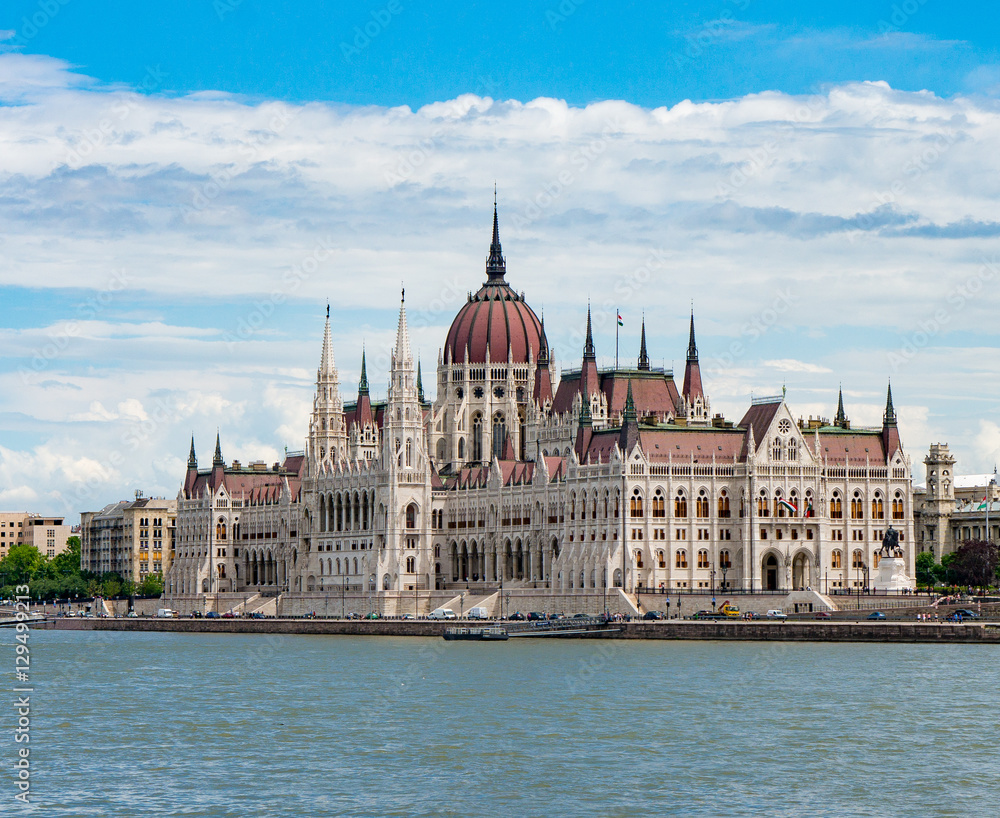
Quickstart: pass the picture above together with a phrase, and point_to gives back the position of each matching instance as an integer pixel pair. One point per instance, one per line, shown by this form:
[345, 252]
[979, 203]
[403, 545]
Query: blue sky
[820, 180]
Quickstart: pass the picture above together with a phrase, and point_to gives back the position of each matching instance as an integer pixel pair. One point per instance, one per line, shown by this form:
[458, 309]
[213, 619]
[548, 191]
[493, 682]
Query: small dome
[495, 318]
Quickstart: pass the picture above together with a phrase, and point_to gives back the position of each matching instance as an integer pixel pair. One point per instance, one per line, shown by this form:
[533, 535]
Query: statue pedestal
[892, 575]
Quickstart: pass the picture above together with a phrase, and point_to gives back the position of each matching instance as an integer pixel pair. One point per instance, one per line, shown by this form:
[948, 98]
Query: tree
[151, 585]
[68, 562]
[975, 563]
[927, 568]
[21, 564]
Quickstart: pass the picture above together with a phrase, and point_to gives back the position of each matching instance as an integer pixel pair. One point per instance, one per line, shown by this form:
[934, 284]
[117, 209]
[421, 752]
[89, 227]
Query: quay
[712, 630]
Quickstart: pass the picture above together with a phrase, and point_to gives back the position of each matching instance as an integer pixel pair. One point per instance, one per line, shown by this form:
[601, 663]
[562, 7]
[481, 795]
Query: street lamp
[461, 605]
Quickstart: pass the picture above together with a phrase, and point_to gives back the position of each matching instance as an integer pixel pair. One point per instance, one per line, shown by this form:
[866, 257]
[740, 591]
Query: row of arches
[346, 510]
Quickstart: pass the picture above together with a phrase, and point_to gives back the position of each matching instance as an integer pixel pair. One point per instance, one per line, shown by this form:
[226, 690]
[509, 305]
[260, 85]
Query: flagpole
[617, 323]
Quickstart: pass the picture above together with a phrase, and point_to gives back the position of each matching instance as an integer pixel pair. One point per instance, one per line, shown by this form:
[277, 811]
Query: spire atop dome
[496, 265]
[192, 457]
[363, 385]
[217, 460]
[589, 353]
[543, 347]
[643, 356]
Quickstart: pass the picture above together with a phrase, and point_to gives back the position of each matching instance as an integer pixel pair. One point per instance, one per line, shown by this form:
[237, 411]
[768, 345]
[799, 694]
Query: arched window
[660, 561]
[724, 559]
[836, 506]
[680, 505]
[703, 559]
[638, 559]
[897, 506]
[776, 449]
[411, 565]
[878, 507]
[724, 504]
[836, 559]
[857, 558]
[635, 505]
[857, 507]
[477, 437]
[461, 448]
[411, 515]
[659, 504]
[793, 448]
[681, 559]
[701, 504]
[409, 452]
[499, 435]
[763, 510]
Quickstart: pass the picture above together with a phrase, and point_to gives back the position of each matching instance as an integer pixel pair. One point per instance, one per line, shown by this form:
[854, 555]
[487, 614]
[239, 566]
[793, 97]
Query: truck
[731, 611]
[167, 612]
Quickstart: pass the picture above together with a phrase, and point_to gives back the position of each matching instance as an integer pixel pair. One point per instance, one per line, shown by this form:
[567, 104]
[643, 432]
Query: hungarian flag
[790, 507]
[620, 322]
[809, 510]
[982, 505]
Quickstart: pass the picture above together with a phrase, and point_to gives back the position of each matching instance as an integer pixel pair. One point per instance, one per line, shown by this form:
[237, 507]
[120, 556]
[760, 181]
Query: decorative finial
[327, 309]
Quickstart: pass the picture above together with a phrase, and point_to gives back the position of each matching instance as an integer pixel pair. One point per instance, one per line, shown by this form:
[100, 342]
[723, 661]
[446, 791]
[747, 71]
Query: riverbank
[754, 631]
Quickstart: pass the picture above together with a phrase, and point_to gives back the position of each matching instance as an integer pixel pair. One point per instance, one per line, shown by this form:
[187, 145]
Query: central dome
[496, 319]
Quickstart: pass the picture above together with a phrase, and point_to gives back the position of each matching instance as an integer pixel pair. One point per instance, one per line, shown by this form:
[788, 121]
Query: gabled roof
[759, 418]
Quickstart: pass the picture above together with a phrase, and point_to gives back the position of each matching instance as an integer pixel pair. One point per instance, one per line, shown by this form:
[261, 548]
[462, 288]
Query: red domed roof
[496, 318]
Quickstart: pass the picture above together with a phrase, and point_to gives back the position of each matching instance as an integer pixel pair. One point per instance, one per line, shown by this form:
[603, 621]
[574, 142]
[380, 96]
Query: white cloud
[842, 229]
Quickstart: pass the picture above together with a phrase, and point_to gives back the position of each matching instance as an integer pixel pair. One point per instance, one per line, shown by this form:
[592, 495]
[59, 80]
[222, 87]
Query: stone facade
[512, 479]
[132, 538]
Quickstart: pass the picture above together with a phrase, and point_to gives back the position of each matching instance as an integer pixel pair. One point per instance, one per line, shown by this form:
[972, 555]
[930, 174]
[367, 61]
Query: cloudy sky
[182, 190]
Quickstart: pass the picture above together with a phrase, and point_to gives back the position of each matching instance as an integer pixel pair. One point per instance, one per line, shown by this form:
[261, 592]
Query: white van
[777, 615]
[442, 613]
[167, 612]
[478, 613]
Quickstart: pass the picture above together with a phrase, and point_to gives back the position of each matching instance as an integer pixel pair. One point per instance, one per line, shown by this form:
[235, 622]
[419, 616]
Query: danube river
[165, 724]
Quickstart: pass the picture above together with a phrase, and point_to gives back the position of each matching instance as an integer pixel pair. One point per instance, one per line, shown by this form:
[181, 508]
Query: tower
[938, 502]
[696, 404]
[327, 444]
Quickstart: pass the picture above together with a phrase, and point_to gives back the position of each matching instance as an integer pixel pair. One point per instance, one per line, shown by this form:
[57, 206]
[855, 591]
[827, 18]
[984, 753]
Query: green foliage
[152, 585]
[21, 564]
[927, 568]
[68, 562]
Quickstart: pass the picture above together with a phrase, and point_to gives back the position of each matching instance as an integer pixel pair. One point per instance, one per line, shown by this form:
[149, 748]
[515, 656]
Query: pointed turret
[543, 375]
[589, 353]
[192, 457]
[584, 431]
[327, 364]
[420, 384]
[841, 419]
[363, 384]
[695, 402]
[217, 460]
[496, 265]
[890, 431]
[643, 355]
[629, 436]
[327, 432]
[402, 351]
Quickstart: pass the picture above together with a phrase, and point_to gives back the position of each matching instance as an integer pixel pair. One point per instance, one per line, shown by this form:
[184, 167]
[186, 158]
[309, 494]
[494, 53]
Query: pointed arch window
[499, 435]
[793, 448]
[680, 505]
[477, 437]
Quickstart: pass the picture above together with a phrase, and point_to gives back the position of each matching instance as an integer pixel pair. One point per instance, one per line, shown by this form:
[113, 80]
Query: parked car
[536, 616]
[408, 616]
[517, 616]
[371, 616]
[212, 615]
[777, 615]
[654, 615]
[875, 615]
[965, 613]
[442, 613]
[751, 615]
[130, 614]
[581, 616]
[229, 615]
[557, 616]
[824, 615]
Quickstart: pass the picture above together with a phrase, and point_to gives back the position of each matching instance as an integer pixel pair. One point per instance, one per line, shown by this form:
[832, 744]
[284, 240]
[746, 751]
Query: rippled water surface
[143, 724]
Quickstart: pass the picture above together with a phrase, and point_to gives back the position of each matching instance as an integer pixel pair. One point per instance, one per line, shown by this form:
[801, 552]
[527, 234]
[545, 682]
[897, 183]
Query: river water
[162, 724]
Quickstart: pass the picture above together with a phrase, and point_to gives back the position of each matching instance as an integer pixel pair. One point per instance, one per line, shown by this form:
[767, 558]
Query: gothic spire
[327, 364]
[217, 460]
[692, 346]
[420, 384]
[402, 352]
[363, 385]
[630, 415]
[589, 353]
[841, 418]
[543, 351]
[643, 356]
[192, 457]
[496, 265]
[889, 418]
[628, 438]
